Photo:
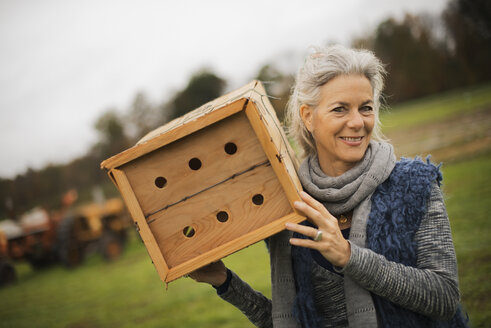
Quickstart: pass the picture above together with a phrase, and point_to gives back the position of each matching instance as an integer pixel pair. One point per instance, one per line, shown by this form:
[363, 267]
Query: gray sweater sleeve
[253, 304]
[432, 287]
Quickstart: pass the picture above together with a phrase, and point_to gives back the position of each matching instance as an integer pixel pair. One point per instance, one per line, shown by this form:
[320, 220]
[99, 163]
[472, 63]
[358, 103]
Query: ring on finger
[318, 236]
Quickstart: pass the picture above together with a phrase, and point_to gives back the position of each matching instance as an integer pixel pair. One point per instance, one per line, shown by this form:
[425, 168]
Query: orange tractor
[68, 235]
[98, 226]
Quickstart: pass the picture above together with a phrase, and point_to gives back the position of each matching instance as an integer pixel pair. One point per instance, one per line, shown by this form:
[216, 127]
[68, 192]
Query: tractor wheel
[123, 236]
[37, 263]
[7, 273]
[70, 250]
[40, 258]
[111, 246]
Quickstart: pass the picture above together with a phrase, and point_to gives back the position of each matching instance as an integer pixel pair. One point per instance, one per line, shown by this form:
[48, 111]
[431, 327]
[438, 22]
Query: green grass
[467, 187]
[125, 293]
[435, 108]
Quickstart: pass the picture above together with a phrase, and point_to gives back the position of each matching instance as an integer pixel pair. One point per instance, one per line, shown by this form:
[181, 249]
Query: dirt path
[447, 140]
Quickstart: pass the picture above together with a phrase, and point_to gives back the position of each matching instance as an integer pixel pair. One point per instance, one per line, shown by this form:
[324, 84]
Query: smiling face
[341, 123]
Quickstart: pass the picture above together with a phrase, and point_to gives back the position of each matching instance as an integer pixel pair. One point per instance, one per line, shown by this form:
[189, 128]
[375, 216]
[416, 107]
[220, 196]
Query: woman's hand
[332, 245]
[214, 274]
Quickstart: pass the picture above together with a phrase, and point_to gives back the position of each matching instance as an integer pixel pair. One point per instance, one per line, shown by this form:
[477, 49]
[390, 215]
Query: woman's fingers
[214, 273]
[315, 211]
[307, 243]
[309, 200]
[312, 214]
[306, 231]
[303, 230]
[333, 247]
[331, 244]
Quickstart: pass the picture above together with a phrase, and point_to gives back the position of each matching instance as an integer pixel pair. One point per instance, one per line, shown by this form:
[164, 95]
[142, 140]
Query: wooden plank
[276, 157]
[171, 163]
[137, 215]
[276, 132]
[235, 197]
[172, 135]
[111, 177]
[233, 246]
[210, 106]
[182, 126]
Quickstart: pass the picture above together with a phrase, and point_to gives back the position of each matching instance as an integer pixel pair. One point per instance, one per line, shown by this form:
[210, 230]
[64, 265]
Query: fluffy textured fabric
[398, 205]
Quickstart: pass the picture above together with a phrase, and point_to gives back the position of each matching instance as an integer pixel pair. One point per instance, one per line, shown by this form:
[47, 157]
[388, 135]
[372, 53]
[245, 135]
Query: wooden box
[209, 183]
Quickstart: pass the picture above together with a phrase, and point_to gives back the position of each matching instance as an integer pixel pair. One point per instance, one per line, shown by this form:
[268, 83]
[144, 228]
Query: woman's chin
[353, 156]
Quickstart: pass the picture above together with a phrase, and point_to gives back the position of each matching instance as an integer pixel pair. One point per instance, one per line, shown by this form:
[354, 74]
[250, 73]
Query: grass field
[467, 186]
[125, 293]
[128, 292]
[437, 108]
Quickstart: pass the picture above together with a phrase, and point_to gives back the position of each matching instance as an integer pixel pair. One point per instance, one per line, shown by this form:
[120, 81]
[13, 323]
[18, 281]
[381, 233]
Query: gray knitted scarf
[352, 191]
[343, 193]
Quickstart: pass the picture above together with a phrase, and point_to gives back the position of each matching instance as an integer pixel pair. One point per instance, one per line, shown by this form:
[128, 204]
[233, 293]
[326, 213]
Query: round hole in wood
[194, 164]
[222, 216]
[258, 199]
[160, 182]
[230, 148]
[189, 231]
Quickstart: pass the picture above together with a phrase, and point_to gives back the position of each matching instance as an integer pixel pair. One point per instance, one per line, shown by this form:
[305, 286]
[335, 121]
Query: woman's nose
[355, 120]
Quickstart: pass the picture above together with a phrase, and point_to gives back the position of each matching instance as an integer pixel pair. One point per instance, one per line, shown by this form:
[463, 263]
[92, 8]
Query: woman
[377, 248]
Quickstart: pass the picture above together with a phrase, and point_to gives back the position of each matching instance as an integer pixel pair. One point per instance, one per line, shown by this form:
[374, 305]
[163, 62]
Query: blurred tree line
[424, 54]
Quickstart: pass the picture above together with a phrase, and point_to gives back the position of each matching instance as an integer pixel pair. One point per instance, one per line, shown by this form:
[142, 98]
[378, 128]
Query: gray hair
[321, 66]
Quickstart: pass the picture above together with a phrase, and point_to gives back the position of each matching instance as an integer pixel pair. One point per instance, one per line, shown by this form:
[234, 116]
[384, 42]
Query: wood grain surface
[172, 163]
[235, 198]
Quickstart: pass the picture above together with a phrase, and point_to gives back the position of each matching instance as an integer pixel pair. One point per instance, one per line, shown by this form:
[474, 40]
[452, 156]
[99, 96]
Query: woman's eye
[366, 109]
[338, 109]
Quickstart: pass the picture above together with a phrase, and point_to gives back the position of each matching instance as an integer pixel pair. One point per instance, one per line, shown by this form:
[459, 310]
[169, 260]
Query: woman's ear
[306, 113]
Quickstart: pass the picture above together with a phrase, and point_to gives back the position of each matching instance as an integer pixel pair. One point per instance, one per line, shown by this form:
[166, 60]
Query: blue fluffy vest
[398, 206]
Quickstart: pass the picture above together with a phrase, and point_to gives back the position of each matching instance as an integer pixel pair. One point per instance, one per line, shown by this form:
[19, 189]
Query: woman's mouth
[352, 141]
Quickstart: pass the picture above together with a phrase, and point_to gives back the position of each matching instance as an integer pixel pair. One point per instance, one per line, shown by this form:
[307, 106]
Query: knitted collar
[343, 193]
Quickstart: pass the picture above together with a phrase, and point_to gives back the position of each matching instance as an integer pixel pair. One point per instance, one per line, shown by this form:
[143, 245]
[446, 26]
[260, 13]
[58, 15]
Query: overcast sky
[62, 63]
